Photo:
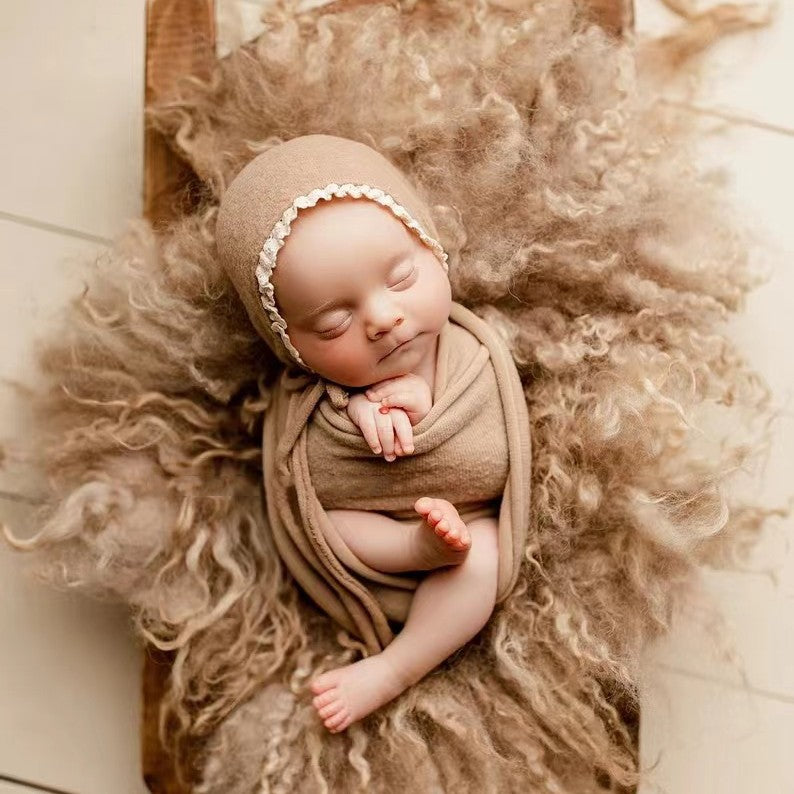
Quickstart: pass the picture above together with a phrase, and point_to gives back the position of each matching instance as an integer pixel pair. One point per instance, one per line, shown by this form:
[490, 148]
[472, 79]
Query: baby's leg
[449, 607]
[441, 538]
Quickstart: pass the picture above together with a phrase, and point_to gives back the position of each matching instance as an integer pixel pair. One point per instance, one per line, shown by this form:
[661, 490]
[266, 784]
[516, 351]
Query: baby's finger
[385, 434]
[404, 431]
[370, 431]
[408, 401]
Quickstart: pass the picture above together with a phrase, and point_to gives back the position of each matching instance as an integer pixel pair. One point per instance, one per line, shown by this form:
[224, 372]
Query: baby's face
[352, 281]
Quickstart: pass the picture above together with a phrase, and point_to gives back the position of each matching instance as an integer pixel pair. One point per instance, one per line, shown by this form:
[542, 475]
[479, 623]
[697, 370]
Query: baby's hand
[409, 392]
[379, 429]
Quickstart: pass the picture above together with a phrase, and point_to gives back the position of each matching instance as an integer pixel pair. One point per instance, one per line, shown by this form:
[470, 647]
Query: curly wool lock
[577, 226]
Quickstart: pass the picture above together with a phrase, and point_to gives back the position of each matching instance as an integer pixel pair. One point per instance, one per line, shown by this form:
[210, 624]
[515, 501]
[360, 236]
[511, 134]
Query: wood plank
[180, 40]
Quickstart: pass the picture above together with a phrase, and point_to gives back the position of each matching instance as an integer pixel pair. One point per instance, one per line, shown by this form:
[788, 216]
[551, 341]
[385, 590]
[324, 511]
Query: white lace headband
[281, 230]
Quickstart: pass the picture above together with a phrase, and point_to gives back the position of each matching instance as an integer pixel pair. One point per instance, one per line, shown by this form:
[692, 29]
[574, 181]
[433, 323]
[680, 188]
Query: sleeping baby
[390, 406]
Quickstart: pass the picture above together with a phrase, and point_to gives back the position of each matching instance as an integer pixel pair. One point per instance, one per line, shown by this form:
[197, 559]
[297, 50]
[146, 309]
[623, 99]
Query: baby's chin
[392, 366]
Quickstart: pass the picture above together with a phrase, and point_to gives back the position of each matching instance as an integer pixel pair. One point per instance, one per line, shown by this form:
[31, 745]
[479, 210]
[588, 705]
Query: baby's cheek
[339, 363]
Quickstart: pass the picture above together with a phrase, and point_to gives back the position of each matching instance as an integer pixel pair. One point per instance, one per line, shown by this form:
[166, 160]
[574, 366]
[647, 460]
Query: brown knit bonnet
[259, 205]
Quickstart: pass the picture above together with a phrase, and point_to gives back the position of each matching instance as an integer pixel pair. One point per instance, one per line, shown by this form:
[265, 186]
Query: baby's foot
[450, 541]
[349, 693]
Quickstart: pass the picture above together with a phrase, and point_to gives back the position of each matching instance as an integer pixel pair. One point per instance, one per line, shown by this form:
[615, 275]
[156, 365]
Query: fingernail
[391, 458]
[377, 450]
[409, 449]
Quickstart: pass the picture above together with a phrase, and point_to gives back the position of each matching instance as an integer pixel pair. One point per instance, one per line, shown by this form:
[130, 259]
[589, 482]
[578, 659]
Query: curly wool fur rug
[578, 226]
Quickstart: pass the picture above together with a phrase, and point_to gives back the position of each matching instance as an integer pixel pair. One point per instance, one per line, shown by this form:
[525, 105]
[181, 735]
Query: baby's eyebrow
[334, 304]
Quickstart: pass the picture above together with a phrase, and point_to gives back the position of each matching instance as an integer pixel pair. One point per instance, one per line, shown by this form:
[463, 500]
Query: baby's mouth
[400, 346]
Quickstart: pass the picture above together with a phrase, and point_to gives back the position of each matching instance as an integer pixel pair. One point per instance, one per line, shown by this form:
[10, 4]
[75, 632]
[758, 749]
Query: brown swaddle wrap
[473, 444]
[473, 447]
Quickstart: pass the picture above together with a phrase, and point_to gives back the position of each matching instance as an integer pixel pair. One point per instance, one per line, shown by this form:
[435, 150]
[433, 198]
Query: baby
[335, 257]
[365, 300]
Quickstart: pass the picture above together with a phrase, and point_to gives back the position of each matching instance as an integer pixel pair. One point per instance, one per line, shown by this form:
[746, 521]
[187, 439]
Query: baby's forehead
[345, 212]
[344, 224]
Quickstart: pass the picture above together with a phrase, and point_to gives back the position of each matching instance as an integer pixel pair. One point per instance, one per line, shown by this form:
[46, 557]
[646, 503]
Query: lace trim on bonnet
[281, 230]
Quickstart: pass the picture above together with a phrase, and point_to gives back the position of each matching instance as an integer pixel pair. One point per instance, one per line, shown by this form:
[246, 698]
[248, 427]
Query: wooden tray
[180, 39]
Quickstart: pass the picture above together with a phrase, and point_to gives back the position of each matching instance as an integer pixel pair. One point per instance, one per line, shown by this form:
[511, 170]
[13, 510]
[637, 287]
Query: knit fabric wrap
[265, 197]
[472, 449]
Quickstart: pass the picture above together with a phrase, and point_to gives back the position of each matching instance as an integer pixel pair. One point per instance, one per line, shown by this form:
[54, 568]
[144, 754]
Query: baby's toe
[443, 527]
[324, 682]
[461, 531]
[456, 534]
[326, 697]
[344, 724]
[437, 519]
[337, 719]
[428, 506]
[331, 709]
[423, 505]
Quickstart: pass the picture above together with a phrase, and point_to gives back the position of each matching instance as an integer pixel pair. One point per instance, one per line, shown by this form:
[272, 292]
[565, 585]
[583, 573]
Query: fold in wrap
[472, 449]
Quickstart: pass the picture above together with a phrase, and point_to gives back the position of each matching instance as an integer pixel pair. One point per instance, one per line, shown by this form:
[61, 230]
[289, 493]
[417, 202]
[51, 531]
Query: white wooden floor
[71, 152]
[71, 157]
[721, 719]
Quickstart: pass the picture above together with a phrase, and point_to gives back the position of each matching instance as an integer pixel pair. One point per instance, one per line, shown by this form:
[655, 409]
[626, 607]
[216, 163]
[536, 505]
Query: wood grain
[180, 40]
